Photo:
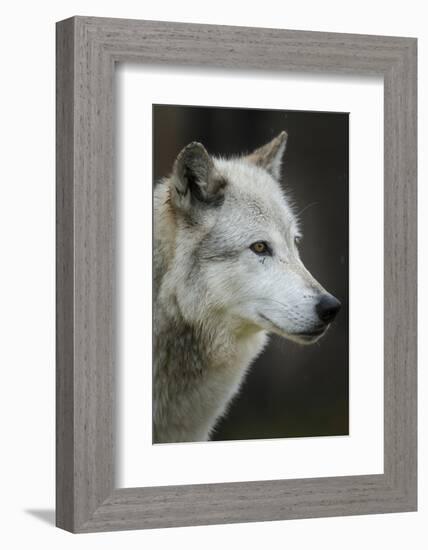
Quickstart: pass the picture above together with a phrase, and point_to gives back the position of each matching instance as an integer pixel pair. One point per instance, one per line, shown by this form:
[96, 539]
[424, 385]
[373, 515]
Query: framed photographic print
[236, 274]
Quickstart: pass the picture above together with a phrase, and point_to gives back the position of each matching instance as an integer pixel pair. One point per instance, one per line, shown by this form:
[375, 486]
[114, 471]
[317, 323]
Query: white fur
[215, 298]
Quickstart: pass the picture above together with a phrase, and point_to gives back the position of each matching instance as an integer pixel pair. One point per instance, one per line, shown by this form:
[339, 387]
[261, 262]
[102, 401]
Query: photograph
[250, 274]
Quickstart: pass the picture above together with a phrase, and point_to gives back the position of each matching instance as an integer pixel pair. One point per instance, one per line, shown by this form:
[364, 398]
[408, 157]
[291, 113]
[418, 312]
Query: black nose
[327, 308]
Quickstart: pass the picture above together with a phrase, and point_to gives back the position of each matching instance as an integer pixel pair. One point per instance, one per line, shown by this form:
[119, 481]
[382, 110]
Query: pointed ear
[269, 156]
[195, 181]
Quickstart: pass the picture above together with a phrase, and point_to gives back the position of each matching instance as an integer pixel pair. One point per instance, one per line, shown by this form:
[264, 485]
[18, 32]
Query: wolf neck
[197, 371]
[198, 367]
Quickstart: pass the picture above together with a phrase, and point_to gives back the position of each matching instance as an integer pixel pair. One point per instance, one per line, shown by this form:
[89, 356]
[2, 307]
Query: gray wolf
[227, 272]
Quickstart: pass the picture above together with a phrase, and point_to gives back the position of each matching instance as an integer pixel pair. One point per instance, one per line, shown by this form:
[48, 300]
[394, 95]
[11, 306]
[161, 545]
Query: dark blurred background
[291, 390]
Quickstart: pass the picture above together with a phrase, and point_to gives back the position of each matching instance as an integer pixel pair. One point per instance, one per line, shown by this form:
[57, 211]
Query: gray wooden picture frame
[87, 51]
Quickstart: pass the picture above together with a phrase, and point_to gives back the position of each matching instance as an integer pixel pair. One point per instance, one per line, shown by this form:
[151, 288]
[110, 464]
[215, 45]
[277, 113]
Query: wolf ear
[269, 156]
[195, 180]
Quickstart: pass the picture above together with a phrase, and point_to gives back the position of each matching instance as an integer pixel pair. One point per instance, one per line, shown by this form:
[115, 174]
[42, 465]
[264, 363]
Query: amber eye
[261, 248]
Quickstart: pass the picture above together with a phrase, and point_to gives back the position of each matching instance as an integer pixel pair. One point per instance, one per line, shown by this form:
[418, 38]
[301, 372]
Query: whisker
[271, 300]
[305, 208]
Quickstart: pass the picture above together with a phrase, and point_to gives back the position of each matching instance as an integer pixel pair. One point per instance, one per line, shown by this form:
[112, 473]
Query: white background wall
[27, 272]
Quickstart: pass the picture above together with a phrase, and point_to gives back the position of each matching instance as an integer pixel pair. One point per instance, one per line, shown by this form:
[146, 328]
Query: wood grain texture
[64, 277]
[87, 50]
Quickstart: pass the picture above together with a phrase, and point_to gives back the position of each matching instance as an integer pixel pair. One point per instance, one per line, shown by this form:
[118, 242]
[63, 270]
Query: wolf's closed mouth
[315, 332]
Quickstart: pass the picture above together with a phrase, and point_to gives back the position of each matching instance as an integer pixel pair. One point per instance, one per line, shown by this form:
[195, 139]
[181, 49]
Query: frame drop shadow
[47, 515]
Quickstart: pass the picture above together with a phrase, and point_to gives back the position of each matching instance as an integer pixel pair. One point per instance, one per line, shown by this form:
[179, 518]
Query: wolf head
[235, 257]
